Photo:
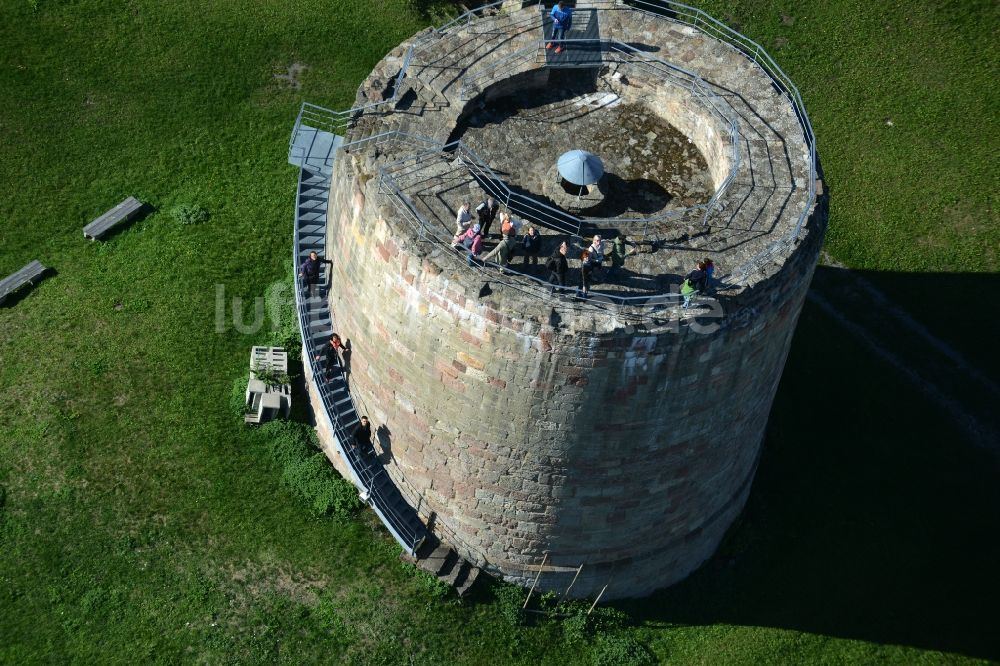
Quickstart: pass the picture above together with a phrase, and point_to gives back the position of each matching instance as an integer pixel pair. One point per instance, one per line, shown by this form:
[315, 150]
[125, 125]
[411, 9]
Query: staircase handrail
[422, 226]
[466, 17]
[700, 20]
[359, 470]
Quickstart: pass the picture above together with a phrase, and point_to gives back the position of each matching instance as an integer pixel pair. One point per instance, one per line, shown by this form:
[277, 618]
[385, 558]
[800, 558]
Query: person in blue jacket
[562, 17]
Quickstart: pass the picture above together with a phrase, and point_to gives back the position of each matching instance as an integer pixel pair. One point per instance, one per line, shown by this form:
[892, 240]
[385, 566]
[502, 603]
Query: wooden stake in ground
[566, 593]
[537, 576]
[597, 599]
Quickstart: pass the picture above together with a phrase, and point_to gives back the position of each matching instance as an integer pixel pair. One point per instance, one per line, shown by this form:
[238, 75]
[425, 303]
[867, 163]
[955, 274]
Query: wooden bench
[126, 210]
[13, 282]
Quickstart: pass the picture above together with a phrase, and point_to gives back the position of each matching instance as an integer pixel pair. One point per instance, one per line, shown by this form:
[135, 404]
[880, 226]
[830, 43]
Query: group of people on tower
[473, 226]
[471, 232]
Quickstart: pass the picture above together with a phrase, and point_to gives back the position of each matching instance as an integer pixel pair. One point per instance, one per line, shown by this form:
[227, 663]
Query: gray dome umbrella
[579, 167]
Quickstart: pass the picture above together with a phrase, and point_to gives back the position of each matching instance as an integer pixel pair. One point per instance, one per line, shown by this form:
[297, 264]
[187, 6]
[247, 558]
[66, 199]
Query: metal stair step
[318, 199]
[312, 216]
[314, 191]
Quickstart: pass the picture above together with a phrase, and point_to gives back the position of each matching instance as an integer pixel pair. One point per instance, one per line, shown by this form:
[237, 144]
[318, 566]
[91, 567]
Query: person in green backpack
[687, 292]
[618, 254]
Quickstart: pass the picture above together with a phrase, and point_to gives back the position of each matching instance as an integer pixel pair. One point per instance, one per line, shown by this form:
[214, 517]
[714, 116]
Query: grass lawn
[139, 521]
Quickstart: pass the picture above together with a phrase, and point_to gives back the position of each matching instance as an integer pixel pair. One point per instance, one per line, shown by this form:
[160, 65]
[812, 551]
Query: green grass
[139, 521]
[916, 199]
[919, 194]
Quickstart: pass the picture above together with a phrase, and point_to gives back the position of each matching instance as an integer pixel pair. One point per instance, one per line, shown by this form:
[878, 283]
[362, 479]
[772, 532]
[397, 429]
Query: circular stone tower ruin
[619, 432]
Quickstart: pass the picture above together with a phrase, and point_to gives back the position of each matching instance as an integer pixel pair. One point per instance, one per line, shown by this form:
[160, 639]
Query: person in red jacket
[332, 354]
[471, 240]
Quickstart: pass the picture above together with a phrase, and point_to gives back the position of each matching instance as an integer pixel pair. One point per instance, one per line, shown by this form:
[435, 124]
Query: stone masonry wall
[674, 104]
[630, 452]
[520, 425]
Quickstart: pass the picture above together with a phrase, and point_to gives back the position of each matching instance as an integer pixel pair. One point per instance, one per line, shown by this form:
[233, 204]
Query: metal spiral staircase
[314, 150]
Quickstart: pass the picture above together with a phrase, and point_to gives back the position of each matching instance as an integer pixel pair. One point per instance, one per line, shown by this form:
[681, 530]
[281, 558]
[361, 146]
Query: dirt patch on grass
[966, 233]
[291, 76]
[967, 218]
[33, 455]
[253, 580]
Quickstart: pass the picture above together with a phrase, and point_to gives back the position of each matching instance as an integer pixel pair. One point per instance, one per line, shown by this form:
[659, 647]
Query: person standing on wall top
[562, 17]
[586, 270]
[697, 277]
[709, 273]
[558, 266]
[487, 212]
[595, 254]
[471, 240]
[531, 244]
[618, 253]
[596, 251]
[504, 251]
[687, 292]
[509, 226]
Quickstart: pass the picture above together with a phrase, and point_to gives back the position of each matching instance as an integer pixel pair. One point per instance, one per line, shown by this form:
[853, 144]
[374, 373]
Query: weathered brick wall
[629, 451]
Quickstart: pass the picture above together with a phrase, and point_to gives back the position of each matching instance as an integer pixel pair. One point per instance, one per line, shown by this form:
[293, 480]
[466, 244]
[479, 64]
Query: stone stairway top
[444, 563]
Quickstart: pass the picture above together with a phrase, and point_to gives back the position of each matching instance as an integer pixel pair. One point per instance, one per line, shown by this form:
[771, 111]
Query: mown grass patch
[306, 470]
[142, 522]
[908, 130]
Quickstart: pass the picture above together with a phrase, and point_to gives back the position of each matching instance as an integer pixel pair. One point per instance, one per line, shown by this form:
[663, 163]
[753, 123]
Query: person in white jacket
[463, 219]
